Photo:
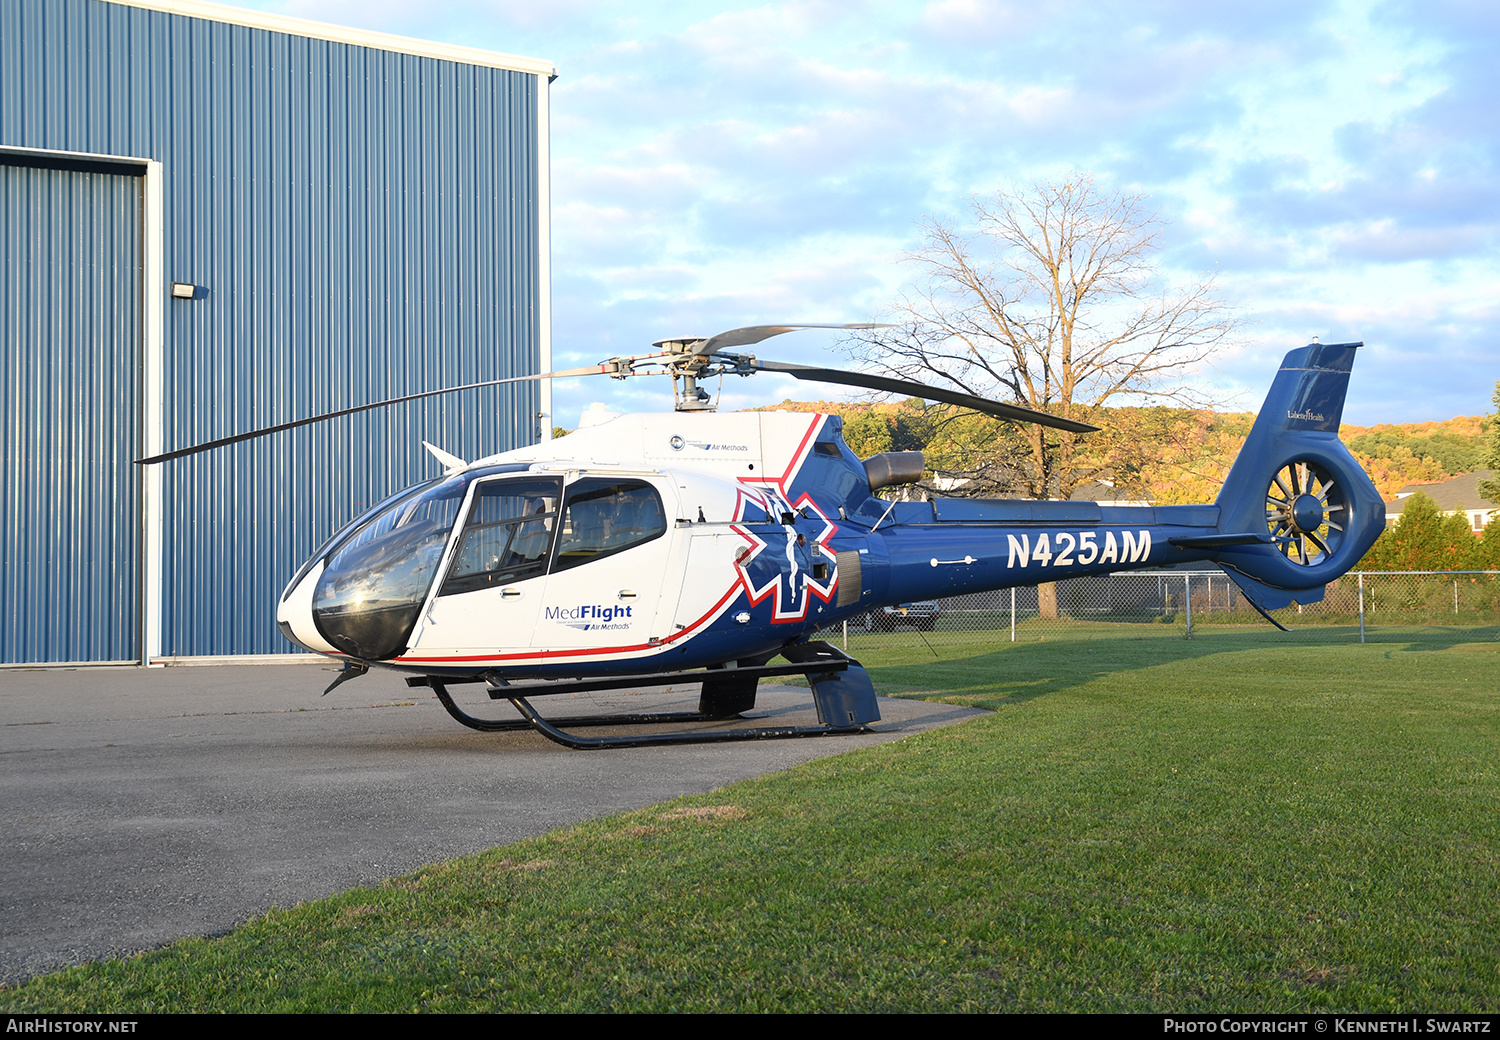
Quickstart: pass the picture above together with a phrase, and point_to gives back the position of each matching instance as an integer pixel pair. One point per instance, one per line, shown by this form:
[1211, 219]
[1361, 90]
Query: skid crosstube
[842, 694]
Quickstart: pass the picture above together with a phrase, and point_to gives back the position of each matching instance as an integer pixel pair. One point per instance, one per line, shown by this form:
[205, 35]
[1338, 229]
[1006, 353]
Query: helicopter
[696, 548]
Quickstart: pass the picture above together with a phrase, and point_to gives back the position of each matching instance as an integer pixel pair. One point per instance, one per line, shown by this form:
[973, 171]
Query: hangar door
[70, 394]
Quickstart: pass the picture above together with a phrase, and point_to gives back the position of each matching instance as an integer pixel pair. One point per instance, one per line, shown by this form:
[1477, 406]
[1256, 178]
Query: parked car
[921, 615]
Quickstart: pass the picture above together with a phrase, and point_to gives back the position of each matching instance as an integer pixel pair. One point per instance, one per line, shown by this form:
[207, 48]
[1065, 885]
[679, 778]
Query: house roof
[1105, 493]
[1461, 494]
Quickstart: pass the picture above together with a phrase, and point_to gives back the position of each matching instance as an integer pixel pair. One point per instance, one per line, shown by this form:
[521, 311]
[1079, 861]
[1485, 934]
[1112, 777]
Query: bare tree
[1051, 299]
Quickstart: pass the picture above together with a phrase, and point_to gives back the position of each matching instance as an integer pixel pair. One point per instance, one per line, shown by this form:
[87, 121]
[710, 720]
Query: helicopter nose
[294, 616]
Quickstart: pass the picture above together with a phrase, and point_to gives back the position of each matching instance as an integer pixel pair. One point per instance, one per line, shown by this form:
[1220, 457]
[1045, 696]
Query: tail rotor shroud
[1296, 509]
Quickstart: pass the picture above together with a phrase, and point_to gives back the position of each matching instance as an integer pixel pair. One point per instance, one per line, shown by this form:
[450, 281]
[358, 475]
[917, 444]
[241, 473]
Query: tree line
[1424, 539]
[1163, 455]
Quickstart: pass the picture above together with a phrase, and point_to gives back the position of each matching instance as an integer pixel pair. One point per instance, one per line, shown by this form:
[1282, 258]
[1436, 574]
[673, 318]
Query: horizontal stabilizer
[1218, 541]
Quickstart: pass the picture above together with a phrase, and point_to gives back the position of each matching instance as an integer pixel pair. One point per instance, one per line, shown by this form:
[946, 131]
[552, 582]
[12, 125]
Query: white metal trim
[344, 34]
[544, 247]
[293, 658]
[32, 666]
[152, 346]
[57, 153]
[222, 659]
[153, 367]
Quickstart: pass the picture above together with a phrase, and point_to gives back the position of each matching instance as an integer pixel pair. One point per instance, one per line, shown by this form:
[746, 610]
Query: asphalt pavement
[146, 805]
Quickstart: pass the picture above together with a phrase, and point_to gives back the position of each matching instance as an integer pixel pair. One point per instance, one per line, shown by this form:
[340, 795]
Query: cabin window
[603, 517]
[507, 536]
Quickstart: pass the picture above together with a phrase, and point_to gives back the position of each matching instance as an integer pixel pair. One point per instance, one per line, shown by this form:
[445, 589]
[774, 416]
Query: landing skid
[842, 694]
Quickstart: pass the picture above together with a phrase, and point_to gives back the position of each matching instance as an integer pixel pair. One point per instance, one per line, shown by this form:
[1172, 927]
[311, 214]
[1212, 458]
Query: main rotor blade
[930, 393]
[588, 370]
[755, 333]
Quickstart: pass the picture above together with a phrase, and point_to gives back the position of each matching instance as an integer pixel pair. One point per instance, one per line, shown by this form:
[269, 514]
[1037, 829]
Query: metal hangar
[214, 220]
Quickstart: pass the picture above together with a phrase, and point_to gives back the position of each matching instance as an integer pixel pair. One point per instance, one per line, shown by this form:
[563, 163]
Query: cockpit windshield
[368, 598]
[348, 530]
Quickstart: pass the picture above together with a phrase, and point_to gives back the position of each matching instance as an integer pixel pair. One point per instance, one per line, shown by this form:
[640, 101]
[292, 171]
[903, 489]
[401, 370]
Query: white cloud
[1335, 162]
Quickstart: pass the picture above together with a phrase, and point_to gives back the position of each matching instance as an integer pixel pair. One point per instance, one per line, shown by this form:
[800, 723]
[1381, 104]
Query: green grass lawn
[1142, 824]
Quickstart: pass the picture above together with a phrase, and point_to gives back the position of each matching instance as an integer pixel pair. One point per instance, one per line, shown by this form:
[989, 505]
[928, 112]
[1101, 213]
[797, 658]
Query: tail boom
[1296, 511]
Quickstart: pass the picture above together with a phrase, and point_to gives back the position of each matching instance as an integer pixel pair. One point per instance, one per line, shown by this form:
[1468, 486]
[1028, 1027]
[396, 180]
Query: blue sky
[716, 165]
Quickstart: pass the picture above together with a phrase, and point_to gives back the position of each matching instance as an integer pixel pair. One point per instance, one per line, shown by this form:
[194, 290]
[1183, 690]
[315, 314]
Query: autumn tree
[1050, 298]
[1424, 539]
[1487, 555]
[871, 432]
[971, 454]
[1490, 489]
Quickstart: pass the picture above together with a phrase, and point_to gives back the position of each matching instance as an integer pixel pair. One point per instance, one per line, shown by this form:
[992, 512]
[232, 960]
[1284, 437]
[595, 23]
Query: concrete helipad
[148, 805]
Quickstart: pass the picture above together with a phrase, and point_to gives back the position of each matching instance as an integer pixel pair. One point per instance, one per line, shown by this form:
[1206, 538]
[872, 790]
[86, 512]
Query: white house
[1459, 495]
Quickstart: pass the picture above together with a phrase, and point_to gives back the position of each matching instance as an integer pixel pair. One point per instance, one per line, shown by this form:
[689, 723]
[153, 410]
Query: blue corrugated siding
[362, 223]
[69, 393]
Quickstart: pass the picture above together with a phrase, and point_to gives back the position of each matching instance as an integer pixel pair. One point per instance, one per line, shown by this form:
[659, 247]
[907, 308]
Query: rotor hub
[1307, 513]
[680, 344]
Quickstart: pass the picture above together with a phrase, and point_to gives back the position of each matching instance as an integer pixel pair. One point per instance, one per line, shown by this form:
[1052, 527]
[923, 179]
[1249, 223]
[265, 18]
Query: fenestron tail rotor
[689, 359]
[1305, 512]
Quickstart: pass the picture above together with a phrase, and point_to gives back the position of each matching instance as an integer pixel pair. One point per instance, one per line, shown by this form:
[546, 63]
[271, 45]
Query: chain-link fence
[1359, 607]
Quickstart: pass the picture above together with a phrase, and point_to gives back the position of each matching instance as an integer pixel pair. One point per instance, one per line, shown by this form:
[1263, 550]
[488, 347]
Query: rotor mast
[686, 361]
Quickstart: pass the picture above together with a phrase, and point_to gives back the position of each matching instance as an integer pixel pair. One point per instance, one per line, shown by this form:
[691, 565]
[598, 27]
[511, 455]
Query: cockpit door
[491, 593]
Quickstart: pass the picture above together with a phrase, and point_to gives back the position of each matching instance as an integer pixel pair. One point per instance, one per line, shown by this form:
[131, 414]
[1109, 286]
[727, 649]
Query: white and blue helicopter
[694, 547]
